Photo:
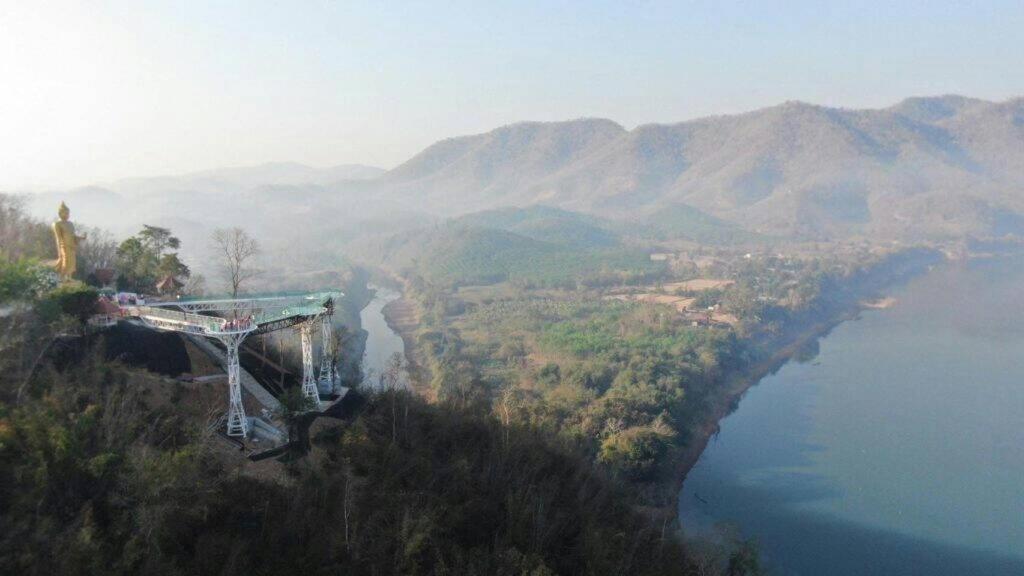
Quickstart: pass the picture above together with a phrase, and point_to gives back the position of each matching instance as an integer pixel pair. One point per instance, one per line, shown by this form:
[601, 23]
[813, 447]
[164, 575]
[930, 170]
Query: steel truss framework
[238, 423]
[309, 389]
[247, 316]
[328, 371]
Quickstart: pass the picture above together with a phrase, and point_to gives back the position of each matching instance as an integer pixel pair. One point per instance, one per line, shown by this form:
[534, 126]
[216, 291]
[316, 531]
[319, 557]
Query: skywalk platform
[231, 320]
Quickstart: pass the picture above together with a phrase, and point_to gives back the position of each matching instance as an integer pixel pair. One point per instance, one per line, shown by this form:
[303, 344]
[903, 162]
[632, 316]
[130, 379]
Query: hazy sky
[94, 91]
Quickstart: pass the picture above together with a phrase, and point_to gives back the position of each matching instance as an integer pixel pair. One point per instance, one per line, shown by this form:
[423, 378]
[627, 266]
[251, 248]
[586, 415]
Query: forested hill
[926, 167]
[108, 468]
[457, 253]
[548, 224]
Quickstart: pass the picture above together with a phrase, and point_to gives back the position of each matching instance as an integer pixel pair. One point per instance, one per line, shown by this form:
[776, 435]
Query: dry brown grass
[698, 284]
[679, 303]
[725, 318]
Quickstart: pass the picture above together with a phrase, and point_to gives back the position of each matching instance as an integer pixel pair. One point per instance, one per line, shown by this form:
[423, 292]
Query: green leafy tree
[136, 265]
[294, 404]
[634, 452]
[171, 265]
[19, 279]
[144, 258]
[158, 239]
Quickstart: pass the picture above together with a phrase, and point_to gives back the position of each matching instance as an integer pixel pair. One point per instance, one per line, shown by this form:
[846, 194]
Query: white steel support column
[230, 320]
[309, 389]
[238, 424]
[327, 372]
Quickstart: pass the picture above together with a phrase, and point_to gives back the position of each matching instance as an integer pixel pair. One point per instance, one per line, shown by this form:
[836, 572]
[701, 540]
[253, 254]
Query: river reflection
[898, 450]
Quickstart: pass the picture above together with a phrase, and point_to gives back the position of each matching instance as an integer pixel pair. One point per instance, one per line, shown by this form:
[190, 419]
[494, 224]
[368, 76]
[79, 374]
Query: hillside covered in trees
[108, 468]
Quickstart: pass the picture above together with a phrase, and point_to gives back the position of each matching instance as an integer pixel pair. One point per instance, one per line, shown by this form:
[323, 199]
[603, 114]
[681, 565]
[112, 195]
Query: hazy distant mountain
[500, 167]
[548, 224]
[300, 214]
[247, 177]
[924, 168]
[933, 167]
[682, 221]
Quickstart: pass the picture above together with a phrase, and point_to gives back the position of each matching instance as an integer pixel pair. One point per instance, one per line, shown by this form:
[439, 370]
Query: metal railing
[190, 322]
[269, 312]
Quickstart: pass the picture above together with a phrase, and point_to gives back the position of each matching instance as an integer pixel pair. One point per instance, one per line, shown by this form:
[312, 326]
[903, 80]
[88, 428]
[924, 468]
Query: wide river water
[898, 449]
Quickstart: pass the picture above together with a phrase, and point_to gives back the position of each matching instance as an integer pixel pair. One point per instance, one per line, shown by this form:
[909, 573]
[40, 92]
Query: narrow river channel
[381, 342]
[899, 449]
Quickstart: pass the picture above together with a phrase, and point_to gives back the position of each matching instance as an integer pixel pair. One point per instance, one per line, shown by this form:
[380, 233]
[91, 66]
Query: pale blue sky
[101, 90]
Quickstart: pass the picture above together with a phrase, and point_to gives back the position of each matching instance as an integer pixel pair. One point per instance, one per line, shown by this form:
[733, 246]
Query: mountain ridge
[940, 167]
[791, 169]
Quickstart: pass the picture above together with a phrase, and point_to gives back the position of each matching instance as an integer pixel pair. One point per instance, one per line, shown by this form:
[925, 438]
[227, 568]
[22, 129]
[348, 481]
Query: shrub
[74, 299]
[634, 452]
[21, 279]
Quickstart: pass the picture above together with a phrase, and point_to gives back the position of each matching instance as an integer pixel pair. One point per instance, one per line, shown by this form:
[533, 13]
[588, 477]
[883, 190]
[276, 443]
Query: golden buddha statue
[67, 244]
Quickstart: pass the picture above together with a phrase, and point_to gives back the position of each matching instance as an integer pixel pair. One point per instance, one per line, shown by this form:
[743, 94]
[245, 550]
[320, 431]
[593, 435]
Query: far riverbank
[891, 446]
[737, 384]
[861, 293]
[842, 300]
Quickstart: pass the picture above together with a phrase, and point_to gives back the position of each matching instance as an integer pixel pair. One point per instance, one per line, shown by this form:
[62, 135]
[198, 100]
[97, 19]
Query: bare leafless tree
[21, 235]
[509, 402]
[393, 383]
[393, 376]
[195, 285]
[99, 252]
[236, 251]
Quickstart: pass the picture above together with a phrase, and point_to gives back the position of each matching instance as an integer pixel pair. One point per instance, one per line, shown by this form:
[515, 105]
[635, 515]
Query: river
[381, 341]
[898, 449]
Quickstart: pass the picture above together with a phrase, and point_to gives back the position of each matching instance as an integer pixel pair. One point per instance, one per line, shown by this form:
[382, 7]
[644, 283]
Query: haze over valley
[927, 168]
[511, 288]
